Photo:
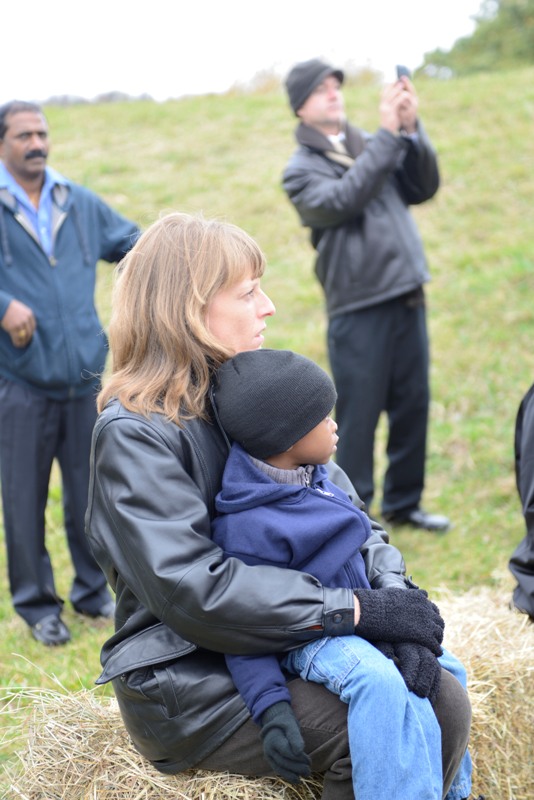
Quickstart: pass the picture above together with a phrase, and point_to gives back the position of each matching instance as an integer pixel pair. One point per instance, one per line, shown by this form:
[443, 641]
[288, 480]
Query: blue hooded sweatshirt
[314, 529]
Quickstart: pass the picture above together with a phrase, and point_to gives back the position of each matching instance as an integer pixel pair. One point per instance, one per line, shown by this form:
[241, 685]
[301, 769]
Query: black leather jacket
[368, 246]
[179, 605]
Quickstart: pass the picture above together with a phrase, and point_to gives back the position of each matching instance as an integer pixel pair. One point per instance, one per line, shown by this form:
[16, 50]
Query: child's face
[318, 446]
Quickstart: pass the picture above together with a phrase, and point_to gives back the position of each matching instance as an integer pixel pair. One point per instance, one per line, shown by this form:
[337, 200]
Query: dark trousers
[522, 561]
[323, 721]
[33, 431]
[379, 358]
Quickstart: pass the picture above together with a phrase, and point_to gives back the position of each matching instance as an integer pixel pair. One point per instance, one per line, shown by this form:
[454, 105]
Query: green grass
[223, 156]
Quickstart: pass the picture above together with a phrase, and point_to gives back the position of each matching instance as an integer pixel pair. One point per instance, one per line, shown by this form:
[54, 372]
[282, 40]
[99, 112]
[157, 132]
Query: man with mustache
[52, 350]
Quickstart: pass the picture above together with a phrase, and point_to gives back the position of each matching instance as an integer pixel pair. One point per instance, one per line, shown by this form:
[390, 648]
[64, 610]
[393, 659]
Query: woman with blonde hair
[188, 296]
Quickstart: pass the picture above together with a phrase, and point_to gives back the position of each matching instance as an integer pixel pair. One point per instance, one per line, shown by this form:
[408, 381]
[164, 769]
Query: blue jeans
[394, 736]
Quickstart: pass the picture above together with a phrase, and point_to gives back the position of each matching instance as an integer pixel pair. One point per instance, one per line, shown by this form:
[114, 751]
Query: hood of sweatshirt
[244, 486]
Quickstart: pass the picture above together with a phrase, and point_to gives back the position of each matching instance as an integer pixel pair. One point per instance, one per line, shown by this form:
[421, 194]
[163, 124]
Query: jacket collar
[315, 140]
[60, 196]
[61, 203]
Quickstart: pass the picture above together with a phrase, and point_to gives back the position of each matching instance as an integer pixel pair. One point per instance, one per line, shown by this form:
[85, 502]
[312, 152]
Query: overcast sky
[170, 48]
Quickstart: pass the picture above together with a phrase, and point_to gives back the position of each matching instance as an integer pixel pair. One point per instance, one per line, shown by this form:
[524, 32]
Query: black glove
[386, 648]
[419, 667]
[399, 615]
[283, 744]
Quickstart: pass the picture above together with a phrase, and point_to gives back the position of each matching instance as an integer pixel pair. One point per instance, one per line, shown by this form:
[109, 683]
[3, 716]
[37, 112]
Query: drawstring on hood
[84, 247]
[6, 201]
[60, 197]
[4, 241]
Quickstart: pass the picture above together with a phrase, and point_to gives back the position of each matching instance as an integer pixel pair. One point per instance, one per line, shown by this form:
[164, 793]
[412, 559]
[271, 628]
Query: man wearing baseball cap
[353, 190]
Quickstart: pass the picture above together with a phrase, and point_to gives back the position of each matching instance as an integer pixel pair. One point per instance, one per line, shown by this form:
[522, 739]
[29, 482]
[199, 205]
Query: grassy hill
[223, 156]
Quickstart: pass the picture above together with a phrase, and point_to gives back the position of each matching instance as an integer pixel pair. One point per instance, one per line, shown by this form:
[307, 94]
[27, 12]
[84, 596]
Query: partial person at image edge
[521, 563]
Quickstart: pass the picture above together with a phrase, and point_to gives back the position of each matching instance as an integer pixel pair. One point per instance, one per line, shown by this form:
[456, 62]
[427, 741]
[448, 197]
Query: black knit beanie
[304, 77]
[269, 399]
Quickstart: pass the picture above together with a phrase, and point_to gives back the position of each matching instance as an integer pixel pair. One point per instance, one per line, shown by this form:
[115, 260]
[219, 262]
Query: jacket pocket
[156, 684]
[55, 360]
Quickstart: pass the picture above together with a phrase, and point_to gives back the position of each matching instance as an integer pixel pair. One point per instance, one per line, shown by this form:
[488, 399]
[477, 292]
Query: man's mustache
[35, 154]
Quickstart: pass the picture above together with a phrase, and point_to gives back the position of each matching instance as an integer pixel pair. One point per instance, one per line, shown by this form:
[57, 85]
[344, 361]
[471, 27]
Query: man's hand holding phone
[402, 72]
[407, 109]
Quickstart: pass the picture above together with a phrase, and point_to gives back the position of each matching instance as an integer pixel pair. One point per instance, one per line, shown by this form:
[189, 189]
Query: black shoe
[51, 631]
[418, 518]
[107, 611]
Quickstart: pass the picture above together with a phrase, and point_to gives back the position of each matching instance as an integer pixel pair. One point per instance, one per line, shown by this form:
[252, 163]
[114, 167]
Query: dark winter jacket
[368, 246]
[521, 563]
[68, 349]
[180, 604]
[314, 529]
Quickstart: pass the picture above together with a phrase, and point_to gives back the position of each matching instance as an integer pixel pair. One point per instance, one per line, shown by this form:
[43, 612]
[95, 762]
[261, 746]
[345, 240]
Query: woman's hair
[162, 352]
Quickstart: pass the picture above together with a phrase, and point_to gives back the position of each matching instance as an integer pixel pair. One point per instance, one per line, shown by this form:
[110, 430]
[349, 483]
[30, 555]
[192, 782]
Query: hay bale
[74, 746]
[497, 647]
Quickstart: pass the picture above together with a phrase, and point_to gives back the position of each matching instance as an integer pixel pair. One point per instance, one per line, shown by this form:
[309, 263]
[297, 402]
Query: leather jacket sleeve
[324, 199]
[152, 486]
[418, 176]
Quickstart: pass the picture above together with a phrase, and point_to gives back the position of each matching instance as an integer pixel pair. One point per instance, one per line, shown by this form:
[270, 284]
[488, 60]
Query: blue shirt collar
[7, 181]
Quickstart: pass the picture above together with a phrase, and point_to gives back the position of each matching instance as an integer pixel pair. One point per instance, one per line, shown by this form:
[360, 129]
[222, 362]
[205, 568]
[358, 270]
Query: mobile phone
[403, 71]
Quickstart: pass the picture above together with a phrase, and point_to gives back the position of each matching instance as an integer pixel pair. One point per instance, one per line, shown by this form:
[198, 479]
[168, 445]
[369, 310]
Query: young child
[277, 506]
